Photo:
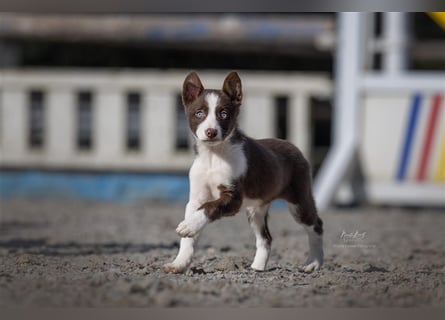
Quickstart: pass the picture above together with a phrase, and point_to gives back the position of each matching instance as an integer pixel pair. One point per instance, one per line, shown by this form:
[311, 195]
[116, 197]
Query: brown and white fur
[232, 171]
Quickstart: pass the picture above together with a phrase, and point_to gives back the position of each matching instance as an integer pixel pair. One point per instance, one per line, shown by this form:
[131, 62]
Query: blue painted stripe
[97, 186]
[409, 137]
[94, 186]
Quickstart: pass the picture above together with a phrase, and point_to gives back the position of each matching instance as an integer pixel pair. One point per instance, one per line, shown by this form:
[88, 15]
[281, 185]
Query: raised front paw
[192, 225]
[187, 229]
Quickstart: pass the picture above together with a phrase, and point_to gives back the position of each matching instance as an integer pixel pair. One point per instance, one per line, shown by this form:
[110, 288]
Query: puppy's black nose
[211, 133]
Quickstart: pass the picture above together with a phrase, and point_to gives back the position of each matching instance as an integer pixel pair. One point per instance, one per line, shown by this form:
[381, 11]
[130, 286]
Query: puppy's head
[212, 114]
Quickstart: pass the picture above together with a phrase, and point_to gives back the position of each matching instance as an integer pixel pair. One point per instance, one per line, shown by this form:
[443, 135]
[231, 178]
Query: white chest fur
[217, 165]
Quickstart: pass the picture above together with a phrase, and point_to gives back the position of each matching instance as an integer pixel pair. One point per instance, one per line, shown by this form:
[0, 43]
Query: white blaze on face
[210, 121]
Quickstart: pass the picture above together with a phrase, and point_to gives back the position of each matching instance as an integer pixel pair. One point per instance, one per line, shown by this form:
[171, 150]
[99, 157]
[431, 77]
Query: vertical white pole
[395, 41]
[348, 66]
[14, 124]
[258, 115]
[368, 58]
[110, 122]
[299, 128]
[161, 124]
[61, 125]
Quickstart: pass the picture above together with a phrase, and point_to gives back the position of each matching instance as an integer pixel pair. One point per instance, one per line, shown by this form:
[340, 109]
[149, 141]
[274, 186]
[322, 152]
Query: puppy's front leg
[196, 217]
[228, 204]
[186, 248]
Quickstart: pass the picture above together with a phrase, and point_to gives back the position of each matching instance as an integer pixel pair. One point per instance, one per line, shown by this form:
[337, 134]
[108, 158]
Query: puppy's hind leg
[304, 212]
[257, 217]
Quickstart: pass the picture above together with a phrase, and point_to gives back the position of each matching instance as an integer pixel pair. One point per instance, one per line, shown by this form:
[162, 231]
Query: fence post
[258, 115]
[14, 123]
[346, 108]
[299, 127]
[161, 124]
[109, 119]
[61, 125]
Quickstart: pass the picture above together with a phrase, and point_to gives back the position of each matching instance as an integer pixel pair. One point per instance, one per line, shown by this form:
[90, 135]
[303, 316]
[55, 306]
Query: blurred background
[90, 105]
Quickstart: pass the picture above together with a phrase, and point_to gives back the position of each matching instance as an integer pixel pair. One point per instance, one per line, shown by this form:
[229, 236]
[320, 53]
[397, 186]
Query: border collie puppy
[232, 171]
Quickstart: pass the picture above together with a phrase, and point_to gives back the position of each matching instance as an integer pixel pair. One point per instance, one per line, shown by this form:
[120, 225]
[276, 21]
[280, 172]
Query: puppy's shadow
[42, 246]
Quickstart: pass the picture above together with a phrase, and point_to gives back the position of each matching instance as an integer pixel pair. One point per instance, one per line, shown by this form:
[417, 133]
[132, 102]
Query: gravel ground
[69, 253]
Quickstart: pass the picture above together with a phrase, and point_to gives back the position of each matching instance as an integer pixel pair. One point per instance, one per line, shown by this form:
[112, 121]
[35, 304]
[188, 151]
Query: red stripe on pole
[431, 128]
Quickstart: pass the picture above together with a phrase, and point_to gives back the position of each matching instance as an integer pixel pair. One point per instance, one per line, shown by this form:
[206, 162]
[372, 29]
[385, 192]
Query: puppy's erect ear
[191, 88]
[232, 87]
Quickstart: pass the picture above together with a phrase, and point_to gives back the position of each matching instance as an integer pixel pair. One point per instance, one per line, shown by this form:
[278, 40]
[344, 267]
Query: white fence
[134, 120]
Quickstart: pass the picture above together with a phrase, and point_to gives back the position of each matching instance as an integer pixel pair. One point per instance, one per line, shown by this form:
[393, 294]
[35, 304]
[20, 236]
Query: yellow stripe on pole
[439, 176]
[439, 17]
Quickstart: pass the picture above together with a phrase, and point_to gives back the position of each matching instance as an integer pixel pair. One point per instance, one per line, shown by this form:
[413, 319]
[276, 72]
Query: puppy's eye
[224, 114]
[199, 114]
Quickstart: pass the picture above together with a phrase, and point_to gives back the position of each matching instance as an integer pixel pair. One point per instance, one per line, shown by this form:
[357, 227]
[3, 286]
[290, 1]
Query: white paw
[173, 268]
[311, 265]
[258, 266]
[261, 257]
[191, 226]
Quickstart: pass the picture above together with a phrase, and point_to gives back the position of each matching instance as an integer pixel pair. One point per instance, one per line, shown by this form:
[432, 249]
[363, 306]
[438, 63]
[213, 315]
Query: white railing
[158, 115]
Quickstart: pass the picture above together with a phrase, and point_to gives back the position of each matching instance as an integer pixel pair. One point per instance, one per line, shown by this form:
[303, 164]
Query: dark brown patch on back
[271, 167]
